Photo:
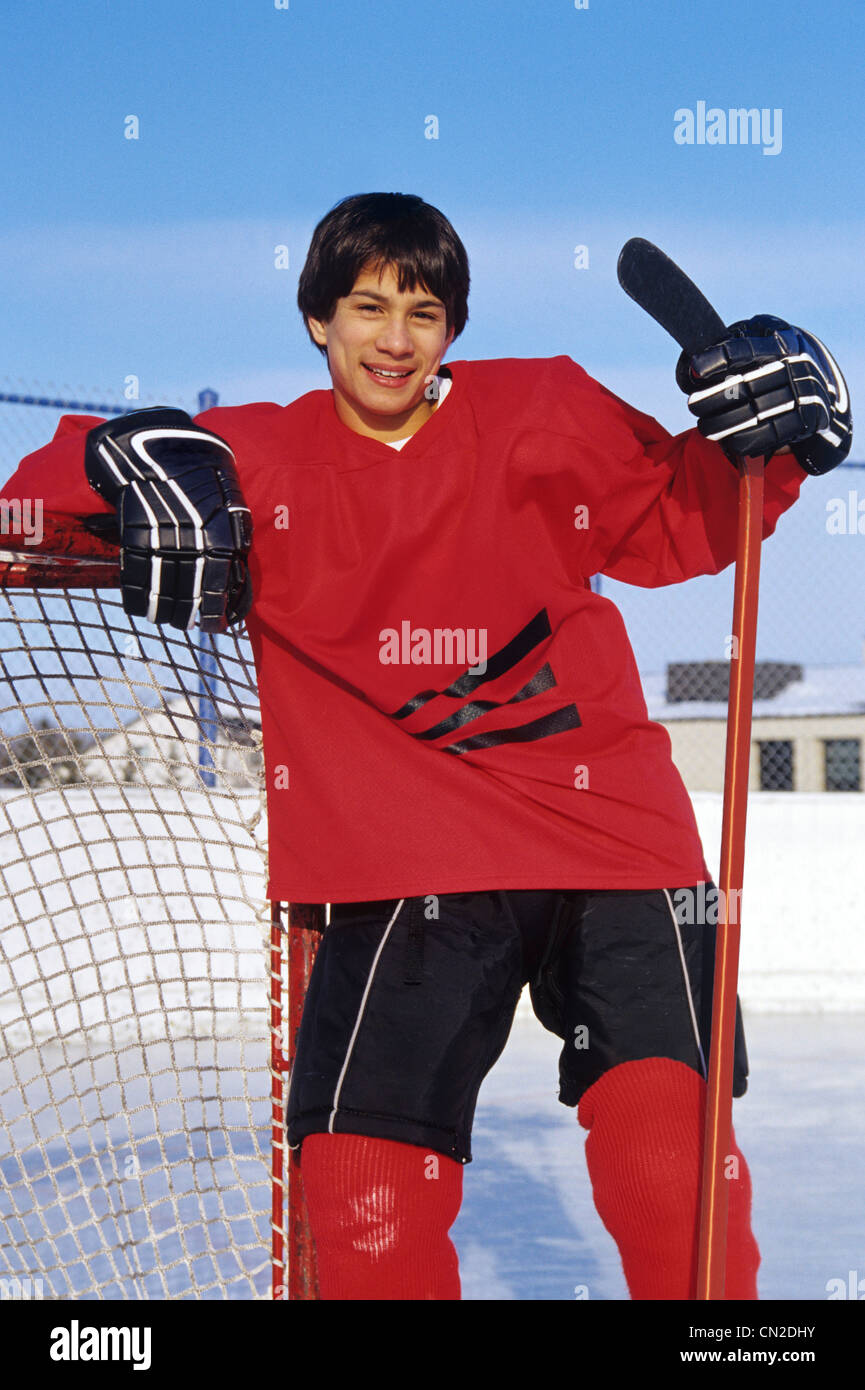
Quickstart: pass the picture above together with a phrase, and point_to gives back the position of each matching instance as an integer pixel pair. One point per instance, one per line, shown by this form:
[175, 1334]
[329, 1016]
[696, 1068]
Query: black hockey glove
[766, 386]
[184, 528]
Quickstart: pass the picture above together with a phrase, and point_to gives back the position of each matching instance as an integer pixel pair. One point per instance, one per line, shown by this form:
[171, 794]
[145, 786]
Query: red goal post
[132, 885]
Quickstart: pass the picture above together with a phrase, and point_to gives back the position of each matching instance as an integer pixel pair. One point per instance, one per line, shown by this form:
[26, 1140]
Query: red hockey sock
[380, 1212]
[644, 1151]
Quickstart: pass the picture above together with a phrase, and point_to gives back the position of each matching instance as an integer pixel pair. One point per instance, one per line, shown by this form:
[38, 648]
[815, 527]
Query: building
[808, 725]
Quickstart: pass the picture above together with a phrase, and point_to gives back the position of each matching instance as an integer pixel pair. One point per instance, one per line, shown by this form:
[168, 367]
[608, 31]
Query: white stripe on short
[687, 983]
[360, 1013]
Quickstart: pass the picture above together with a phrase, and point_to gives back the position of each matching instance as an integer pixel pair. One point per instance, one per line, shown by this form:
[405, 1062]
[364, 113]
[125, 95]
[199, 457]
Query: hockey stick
[658, 285]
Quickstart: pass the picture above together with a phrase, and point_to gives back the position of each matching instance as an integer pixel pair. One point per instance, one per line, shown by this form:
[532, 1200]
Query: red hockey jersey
[446, 705]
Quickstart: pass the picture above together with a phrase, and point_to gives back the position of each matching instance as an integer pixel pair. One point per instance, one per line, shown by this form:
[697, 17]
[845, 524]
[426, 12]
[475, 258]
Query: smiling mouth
[388, 374]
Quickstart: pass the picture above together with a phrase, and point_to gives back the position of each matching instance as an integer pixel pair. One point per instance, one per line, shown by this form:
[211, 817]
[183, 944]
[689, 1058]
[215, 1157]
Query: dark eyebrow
[382, 298]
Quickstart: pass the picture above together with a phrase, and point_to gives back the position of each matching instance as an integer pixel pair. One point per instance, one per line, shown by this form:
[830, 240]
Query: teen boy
[457, 749]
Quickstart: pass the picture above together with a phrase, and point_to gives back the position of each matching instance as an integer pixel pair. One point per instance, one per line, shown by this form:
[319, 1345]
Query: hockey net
[138, 964]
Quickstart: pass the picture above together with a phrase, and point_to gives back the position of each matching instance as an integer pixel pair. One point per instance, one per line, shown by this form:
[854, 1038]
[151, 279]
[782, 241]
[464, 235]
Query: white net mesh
[134, 1063]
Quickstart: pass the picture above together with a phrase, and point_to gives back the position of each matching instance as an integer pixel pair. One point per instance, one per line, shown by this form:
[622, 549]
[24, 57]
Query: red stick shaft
[711, 1266]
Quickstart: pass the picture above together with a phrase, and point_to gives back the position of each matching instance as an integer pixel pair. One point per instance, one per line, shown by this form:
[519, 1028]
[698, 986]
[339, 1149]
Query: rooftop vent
[709, 680]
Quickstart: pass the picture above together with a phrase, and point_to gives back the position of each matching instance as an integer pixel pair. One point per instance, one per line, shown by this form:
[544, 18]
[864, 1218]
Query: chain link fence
[809, 689]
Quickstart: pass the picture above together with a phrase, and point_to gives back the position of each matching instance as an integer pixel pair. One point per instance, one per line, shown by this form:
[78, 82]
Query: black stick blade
[658, 285]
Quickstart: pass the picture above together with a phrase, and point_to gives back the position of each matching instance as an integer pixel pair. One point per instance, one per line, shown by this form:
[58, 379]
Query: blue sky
[155, 256]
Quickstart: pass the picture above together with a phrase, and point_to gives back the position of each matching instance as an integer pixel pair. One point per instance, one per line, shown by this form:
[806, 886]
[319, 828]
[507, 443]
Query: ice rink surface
[528, 1229]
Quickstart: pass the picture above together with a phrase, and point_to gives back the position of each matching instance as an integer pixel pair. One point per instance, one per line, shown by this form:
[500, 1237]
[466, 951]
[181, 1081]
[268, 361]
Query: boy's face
[383, 346]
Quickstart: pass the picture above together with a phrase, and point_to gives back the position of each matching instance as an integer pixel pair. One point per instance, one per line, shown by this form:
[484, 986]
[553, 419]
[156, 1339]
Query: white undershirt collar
[442, 385]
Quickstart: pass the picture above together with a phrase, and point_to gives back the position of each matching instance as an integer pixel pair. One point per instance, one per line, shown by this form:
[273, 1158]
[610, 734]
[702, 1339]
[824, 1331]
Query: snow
[802, 918]
[129, 901]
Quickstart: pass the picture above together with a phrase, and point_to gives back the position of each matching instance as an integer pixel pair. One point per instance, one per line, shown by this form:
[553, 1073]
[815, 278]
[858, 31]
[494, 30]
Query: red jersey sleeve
[669, 509]
[54, 475]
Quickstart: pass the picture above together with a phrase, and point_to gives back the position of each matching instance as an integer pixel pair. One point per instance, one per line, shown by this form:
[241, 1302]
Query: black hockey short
[410, 1003]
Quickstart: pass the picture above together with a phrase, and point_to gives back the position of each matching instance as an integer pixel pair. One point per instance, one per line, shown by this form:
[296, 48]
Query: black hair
[379, 229]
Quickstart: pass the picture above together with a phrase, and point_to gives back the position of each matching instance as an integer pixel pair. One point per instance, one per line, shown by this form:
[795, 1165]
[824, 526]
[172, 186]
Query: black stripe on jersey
[511, 654]
[542, 680]
[555, 723]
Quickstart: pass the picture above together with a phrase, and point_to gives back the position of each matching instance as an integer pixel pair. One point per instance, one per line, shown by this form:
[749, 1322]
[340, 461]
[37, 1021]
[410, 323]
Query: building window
[843, 764]
[776, 765]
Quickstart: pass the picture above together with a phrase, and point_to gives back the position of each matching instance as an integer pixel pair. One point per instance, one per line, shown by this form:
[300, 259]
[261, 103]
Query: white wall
[802, 915]
[803, 918]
